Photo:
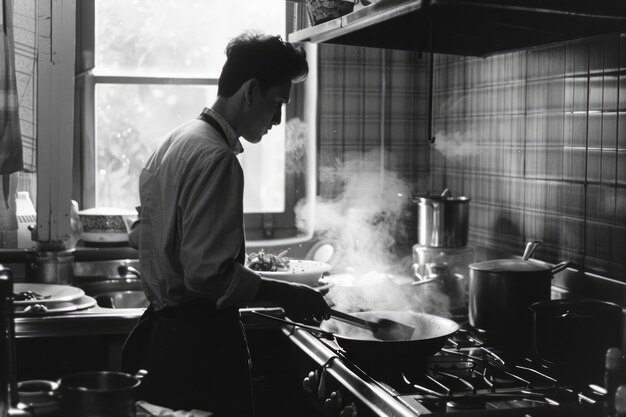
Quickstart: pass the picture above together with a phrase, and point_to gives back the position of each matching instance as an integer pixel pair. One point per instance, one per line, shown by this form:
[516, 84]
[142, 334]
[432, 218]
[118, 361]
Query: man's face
[266, 110]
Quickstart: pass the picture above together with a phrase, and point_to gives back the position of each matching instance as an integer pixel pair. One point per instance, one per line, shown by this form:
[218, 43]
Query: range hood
[462, 27]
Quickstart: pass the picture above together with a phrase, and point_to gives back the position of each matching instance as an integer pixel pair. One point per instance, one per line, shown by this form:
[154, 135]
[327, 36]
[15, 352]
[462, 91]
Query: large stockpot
[442, 221]
[575, 330]
[500, 292]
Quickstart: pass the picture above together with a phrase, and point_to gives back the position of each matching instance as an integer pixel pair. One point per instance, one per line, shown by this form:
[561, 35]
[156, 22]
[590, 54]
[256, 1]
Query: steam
[456, 146]
[363, 223]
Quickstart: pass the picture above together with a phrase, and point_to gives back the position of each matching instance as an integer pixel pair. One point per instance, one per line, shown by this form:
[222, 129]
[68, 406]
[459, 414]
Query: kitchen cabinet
[466, 27]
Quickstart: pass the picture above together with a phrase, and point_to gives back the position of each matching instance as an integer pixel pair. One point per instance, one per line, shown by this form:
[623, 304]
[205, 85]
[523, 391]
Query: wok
[375, 355]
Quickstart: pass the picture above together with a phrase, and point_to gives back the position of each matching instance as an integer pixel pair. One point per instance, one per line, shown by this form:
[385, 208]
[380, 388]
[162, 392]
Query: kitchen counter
[93, 321]
[98, 321]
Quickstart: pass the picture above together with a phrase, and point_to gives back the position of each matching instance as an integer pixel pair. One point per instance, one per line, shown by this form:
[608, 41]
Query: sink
[122, 299]
[116, 293]
[114, 284]
[96, 287]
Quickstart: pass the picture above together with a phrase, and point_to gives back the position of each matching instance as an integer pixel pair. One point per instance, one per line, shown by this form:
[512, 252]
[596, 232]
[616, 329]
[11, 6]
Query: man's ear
[251, 89]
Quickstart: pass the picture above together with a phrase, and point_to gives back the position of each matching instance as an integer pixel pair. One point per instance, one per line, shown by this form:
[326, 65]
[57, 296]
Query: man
[191, 240]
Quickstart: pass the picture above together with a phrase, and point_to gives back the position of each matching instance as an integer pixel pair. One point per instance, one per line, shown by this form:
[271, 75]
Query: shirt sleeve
[212, 235]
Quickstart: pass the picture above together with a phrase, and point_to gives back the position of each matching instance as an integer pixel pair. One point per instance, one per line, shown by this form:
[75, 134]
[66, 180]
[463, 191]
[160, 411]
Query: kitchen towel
[10, 136]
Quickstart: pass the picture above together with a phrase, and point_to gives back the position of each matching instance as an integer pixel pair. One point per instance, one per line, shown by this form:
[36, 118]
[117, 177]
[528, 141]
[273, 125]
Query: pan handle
[320, 332]
[560, 266]
[530, 249]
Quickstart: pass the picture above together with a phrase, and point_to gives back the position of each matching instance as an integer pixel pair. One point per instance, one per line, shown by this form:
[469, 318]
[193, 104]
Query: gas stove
[468, 377]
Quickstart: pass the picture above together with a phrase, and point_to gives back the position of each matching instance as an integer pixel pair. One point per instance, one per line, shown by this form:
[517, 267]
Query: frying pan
[376, 355]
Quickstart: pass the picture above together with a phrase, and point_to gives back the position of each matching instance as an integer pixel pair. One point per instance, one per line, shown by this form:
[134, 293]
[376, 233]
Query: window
[155, 65]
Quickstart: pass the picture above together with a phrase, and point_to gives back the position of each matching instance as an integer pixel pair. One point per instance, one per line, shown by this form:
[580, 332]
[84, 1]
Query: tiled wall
[535, 138]
[372, 100]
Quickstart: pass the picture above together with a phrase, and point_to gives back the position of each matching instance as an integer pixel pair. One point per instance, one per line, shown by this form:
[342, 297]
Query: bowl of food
[278, 267]
[106, 224]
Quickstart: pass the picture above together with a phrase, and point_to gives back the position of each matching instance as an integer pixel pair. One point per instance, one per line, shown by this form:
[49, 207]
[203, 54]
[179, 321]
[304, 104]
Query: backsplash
[535, 138]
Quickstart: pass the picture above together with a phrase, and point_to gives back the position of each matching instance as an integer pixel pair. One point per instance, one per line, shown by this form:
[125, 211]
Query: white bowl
[106, 224]
[300, 271]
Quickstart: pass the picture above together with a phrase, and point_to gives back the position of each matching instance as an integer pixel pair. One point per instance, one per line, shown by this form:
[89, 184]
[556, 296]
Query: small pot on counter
[575, 330]
[99, 393]
[41, 397]
[500, 292]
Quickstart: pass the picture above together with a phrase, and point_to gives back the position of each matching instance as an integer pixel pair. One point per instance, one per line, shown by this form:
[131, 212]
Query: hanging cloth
[10, 136]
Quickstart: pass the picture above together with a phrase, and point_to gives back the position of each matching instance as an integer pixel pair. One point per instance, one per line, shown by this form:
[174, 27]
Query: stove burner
[471, 375]
[465, 405]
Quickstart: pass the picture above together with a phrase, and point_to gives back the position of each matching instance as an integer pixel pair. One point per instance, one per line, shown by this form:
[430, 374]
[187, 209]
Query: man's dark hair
[266, 58]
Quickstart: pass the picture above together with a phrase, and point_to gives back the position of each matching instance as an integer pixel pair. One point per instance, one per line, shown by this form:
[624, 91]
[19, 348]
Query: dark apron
[196, 356]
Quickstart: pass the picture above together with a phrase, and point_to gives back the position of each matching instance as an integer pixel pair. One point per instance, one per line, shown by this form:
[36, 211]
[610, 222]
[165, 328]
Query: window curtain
[10, 137]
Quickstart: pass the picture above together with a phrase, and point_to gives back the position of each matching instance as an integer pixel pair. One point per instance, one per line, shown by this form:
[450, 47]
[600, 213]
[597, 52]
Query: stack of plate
[50, 299]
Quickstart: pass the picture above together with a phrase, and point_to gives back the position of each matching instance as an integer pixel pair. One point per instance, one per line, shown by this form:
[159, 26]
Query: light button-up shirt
[191, 241]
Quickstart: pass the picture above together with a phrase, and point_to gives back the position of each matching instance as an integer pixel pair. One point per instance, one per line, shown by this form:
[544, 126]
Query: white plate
[53, 292]
[57, 307]
[300, 271]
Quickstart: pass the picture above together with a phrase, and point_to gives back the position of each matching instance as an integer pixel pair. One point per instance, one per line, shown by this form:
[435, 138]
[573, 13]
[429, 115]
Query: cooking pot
[378, 356]
[442, 221]
[500, 292]
[40, 396]
[99, 393]
[575, 330]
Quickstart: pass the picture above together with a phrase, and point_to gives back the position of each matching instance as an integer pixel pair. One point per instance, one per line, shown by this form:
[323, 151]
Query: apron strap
[210, 120]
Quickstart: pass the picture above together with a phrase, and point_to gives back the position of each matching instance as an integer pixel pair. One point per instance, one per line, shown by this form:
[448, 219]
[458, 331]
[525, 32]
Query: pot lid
[510, 265]
[425, 199]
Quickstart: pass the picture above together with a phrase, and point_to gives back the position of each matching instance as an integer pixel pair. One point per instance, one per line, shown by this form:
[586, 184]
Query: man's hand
[299, 301]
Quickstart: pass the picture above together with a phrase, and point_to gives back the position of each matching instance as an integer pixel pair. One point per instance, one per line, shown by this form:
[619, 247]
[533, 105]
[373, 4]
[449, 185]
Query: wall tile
[621, 130]
[594, 165]
[579, 129]
[608, 166]
[600, 204]
[621, 168]
[609, 130]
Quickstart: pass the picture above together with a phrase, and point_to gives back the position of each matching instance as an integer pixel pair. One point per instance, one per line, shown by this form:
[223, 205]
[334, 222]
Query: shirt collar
[231, 135]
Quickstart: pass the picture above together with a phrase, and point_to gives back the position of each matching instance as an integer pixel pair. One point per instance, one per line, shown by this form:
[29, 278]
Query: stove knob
[310, 382]
[349, 411]
[333, 403]
[321, 387]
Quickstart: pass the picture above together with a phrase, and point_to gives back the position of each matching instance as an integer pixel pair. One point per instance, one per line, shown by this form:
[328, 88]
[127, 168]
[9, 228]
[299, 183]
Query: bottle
[26, 219]
[620, 401]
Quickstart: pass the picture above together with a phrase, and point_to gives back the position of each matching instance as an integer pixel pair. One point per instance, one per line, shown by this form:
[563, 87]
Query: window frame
[261, 228]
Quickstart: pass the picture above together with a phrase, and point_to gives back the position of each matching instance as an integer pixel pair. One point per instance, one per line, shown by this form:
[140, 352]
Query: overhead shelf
[475, 28]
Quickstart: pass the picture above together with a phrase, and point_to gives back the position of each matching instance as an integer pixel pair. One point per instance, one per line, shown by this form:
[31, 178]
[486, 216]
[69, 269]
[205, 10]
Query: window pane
[132, 120]
[177, 36]
[264, 166]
